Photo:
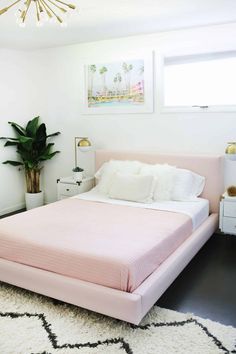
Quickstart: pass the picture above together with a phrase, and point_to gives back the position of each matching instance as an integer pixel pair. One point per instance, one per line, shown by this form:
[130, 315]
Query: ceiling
[104, 19]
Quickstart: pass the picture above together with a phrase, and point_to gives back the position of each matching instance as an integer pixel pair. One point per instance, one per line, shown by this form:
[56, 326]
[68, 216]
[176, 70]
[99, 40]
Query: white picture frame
[119, 86]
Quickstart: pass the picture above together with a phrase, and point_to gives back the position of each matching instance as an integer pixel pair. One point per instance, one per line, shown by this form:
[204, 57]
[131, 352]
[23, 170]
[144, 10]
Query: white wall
[176, 132]
[17, 91]
[60, 98]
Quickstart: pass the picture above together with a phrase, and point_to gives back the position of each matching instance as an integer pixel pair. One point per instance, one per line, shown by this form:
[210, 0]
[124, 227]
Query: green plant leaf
[54, 134]
[26, 142]
[40, 143]
[20, 130]
[32, 127]
[31, 145]
[7, 138]
[26, 155]
[30, 165]
[13, 163]
[11, 143]
[47, 149]
[41, 137]
[48, 156]
[25, 139]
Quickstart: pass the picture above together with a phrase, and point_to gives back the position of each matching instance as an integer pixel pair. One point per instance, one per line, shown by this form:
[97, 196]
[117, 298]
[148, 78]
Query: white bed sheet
[197, 210]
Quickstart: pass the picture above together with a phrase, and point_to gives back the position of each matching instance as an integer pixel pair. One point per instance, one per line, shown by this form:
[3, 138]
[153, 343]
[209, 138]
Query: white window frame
[196, 109]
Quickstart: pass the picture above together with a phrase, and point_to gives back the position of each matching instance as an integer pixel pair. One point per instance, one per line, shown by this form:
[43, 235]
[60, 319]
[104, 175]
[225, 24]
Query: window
[200, 82]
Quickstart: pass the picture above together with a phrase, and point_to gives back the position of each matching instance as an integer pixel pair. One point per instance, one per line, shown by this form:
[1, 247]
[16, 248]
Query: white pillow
[100, 171]
[132, 187]
[187, 185]
[105, 173]
[164, 179]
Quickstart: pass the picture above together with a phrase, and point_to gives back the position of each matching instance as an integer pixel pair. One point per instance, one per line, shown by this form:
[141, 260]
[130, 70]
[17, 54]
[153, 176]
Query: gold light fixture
[83, 144]
[231, 150]
[45, 10]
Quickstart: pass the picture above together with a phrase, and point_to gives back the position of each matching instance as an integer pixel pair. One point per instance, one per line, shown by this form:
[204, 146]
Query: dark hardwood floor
[207, 286]
[15, 212]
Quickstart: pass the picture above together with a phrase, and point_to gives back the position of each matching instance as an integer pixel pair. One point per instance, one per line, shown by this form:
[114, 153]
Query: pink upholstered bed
[116, 268]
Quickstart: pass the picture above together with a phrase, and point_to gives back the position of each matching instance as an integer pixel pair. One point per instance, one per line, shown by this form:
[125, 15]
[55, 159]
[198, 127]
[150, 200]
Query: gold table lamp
[83, 144]
[230, 151]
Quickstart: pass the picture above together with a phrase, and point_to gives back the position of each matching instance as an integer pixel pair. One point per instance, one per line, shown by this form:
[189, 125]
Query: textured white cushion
[100, 171]
[187, 185]
[105, 173]
[164, 179]
[132, 187]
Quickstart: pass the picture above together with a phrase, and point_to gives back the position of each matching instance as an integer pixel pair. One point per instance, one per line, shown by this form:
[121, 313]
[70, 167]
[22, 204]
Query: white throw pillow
[187, 185]
[100, 171]
[164, 179]
[132, 187]
[108, 169]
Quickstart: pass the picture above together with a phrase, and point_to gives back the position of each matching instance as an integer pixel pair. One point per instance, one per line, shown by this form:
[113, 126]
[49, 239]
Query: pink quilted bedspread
[112, 245]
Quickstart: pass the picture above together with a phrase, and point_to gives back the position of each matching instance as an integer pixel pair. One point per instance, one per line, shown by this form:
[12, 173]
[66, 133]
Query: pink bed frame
[130, 307]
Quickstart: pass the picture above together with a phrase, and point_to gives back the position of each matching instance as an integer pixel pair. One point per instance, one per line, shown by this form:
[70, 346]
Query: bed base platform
[130, 307]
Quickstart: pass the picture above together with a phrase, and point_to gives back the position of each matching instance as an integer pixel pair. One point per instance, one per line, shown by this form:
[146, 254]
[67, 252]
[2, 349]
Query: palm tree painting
[117, 81]
[127, 73]
[92, 70]
[102, 72]
[116, 84]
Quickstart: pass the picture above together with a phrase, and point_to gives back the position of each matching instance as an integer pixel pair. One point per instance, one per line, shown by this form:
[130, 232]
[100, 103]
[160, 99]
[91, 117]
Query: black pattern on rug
[123, 344]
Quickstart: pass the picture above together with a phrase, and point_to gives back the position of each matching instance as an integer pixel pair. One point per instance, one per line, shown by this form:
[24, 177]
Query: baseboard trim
[12, 209]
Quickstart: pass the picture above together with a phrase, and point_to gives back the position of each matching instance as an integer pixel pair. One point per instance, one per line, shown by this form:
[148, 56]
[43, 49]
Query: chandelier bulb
[53, 20]
[18, 13]
[56, 11]
[22, 24]
[39, 24]
[44, 16]
[63, 24]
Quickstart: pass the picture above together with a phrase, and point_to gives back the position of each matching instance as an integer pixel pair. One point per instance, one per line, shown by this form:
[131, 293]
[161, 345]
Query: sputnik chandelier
[45, 10]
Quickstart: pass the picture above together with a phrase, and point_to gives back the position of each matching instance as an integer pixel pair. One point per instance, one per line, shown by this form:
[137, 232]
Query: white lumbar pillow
[187, 185]
[164, 179]
[108, 169]
[132, 187]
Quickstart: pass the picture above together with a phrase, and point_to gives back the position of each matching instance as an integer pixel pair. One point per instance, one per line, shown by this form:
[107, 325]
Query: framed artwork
[119, 86]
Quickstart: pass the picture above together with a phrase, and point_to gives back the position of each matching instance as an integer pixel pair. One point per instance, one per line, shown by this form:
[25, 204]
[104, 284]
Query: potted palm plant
[33, 149]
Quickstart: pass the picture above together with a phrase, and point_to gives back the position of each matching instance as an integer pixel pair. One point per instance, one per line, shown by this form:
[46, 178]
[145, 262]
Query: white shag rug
[33, 324]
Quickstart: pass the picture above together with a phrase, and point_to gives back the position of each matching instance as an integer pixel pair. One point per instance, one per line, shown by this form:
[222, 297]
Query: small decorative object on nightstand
[228, 214]
[78, 174]
[68, 187]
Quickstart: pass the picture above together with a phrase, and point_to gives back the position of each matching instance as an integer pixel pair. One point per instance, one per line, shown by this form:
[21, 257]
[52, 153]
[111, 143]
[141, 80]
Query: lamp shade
[230, 151]
[84, 144]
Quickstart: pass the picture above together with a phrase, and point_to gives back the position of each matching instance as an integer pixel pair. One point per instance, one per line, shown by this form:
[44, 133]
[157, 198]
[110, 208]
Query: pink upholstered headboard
[205, 165]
